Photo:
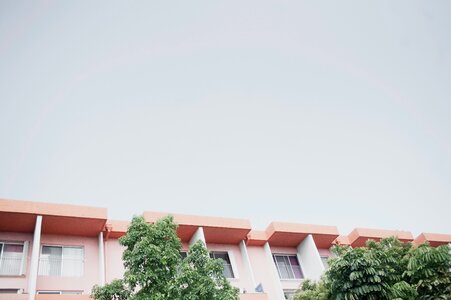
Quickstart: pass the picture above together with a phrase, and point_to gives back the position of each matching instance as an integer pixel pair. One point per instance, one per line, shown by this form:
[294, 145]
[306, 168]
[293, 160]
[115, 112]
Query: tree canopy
[154, 269]
[387, 269]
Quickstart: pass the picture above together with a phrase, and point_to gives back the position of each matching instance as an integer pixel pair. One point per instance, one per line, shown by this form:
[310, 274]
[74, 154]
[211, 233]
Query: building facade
[60, 251]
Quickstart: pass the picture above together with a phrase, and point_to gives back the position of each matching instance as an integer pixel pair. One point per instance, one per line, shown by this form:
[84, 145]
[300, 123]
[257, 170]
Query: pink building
[59, 251]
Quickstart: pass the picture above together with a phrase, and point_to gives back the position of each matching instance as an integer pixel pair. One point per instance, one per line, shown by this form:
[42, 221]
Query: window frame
[289, 293]
[82, 247]
[232, 269]
[22, 259]
[47, 292]
[9, 289]
[289, 264]
[325, 261]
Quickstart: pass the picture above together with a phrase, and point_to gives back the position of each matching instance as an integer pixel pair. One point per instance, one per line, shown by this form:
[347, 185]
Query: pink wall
[91, 267]
[324, 252]
[17, 282]
[263, 271]
[114, 268]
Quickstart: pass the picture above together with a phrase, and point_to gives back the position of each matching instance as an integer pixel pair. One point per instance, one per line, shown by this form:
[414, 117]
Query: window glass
[288, 266]
[324, 259]
[72, 261]
[289, 294]
[224, 257]
[51, 261]
[9, 291]
[11, 259]
[61, 261]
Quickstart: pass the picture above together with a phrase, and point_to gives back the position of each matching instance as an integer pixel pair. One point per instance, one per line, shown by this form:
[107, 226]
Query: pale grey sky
[324, 112]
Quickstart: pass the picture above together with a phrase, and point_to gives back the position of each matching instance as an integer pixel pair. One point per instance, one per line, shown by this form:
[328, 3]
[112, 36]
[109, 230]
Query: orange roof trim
[359, 236]
[292, 234]
[216, 229]
[434, 239]
[67, 219]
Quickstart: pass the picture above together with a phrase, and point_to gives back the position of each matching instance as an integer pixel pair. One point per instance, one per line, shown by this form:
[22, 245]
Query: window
[11, 258]
[9, 291]
[60, 292]
[288, 266]
[61, 261]
[289, 294]
[224, 256]
[324, 261]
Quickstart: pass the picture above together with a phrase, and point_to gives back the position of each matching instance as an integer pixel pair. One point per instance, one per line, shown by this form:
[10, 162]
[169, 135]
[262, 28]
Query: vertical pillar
[35, 258]
[247, 263]
[309, 258]
[198, 235]
[275, 273]
[101, 260]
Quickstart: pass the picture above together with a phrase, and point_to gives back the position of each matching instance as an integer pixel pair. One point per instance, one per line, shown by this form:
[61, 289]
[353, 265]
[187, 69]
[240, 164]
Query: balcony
[11, 266]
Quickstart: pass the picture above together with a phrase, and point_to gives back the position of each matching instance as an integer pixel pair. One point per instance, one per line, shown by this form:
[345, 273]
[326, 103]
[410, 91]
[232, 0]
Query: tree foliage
[387, 269]
[201, 277]
[154, 269]
[311, 290]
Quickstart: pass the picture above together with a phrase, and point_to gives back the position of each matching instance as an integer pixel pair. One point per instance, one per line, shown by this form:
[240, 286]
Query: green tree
[115, 290]
[201, 277]
[384, 270]
[311, 290]
[154, 268]
[429, 273]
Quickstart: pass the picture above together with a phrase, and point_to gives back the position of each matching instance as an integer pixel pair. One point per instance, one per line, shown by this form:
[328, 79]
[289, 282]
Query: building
[59, 251]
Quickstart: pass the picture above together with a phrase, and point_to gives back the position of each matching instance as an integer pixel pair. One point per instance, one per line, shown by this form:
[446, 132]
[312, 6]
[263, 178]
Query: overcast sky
[323, 112]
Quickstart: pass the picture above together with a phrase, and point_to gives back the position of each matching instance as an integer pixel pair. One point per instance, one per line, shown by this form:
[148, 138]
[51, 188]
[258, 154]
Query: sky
[314, 112]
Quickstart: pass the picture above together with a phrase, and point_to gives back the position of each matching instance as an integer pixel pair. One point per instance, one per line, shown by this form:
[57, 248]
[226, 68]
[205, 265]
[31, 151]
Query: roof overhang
[116, 229]
[291, 234]
[64, 219]
[434, 239]
[359, 236]
[216, 230]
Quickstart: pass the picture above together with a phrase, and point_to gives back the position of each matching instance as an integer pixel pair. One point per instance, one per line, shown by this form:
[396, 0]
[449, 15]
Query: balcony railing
[51, 266]
[10, 266]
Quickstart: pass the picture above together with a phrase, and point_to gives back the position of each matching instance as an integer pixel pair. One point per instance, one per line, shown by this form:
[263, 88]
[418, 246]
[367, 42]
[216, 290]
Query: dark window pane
[294, 261]
[52, 251]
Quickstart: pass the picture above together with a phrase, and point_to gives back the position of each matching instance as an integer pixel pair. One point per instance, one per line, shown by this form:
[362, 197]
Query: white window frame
[23, 260]
[60, 292]
[62, 259]
[291, 267]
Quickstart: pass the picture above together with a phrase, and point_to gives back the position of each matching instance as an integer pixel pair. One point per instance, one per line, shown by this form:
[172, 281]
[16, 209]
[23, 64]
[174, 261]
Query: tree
[311, 290]
[428, 273]
[367, 273]
[201, 277]
[387, 269]
[154, 268]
